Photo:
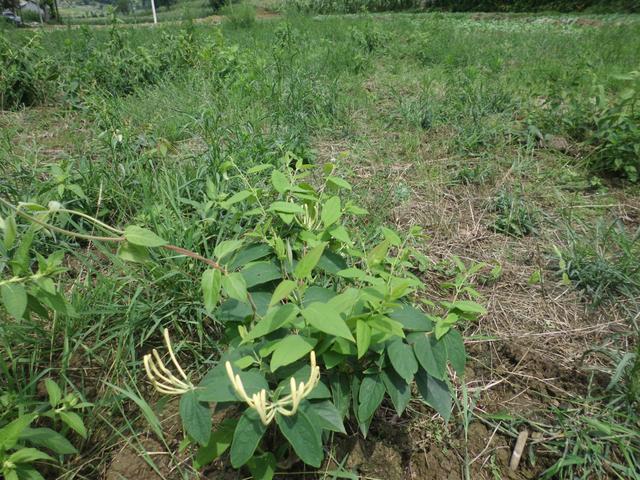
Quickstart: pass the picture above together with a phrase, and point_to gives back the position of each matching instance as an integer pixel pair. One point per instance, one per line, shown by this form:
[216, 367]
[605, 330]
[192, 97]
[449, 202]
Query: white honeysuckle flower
[161, 377]
[287, 405]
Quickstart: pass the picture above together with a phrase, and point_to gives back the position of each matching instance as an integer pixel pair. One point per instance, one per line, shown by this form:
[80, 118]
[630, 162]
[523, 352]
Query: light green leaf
[378, 253]
[466, 306]
[235, 198]
[53, 391]
[246, 437]
[306, 265]
[143, 237]
[10, 232]
[211, 285]
[14, 297]
[282, 291]
[402, 359]
[235, 286]
[352, 273]
[226, 247]
[325, 319]
[47, 438]
[280, 181]
[363, 337]
[304, 437]
[331, 211]
[275, 319]
[74, 422]
[340, 233]
[339, 182]
[260, 168]
[10, 433]
[28, 455]
[133, 253]
[285, 207]
[290, 349]
[196, 417]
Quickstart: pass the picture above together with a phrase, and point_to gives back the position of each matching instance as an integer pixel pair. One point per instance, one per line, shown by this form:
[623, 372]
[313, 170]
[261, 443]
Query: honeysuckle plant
[320, 325]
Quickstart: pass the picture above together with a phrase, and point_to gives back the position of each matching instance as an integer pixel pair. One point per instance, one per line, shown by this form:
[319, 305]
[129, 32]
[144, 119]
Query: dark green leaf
[370, 396]
[196, 417]
[402, 359]
[10, 433]
[262, 467]
[275, 319]
[435, 393]
[304, 437]
[235, 286]
[248, 254]
[218, 388]
[455, 351]
[327, 415]
[398, 390]
[49, 439]
[74, 422]
[246, 437]
[219, 441]
[260, 272]
[325, 319]
[431, 354]
[412, 319]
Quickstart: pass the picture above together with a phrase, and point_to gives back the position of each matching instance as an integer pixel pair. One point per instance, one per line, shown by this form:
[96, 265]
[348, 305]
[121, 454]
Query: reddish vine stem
[189, 253]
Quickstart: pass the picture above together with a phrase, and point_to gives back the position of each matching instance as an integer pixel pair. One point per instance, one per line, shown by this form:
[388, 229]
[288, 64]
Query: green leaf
[412, 319]
[398, 389]
[275, 319]
[260, 272]
[260, 168]
[402, 359]
[280, 181]
[285, 207]
[339, 182]
[245, 255]
[14, 297]
[326, 415]
[378, 253]
[235, 198]
[133, 253]
[456, 354]
[435, 393]
[340, 233]
[370, 396]
[10, 232]
[47, 438]
[363, 337]
[431, 354]
[304, 437]
[235, 286]
[306, 265]
[196, 417]
[262, 467]
[218, 388]
[466, 306]
[226, 247]
[325, 319]
[28, 455]
[219, 442]
[53, 391]
[246, 437]
[211, 285]
[331, 211]
[74, 422]
[25, 472]
[10, 433]
[290, 349]
[143, 237]
[282, 291]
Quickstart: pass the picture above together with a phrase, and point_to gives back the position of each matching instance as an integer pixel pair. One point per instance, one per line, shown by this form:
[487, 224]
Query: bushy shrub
[26, 73]
[241, 15]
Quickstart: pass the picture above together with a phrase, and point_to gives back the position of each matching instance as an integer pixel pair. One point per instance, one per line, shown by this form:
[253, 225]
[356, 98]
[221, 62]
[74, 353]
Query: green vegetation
[344, 201]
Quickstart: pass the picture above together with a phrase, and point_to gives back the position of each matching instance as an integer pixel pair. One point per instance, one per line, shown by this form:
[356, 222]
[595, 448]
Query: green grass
[429, 115]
